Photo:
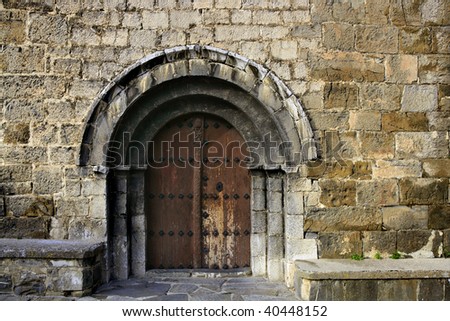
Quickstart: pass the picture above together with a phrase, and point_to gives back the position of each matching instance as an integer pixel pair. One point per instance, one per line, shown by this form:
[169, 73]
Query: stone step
[373, 280]
[199, 273]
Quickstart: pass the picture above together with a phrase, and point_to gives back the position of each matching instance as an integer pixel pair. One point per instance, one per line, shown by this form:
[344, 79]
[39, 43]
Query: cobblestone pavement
[173, 288]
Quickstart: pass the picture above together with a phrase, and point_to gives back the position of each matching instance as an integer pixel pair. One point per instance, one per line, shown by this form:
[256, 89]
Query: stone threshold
[199, 273]
[373, 280]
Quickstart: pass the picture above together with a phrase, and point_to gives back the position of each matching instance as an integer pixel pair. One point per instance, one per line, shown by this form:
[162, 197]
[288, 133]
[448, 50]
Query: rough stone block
[25, 154]
[89, 229]
[419, 243]
[143, 38]
[439, 121]
[184, 19]
[275, 270]
[275, 248]
[376, 39]
[236, 33]
[421, 145]
[404, 13]
[436, 168]
[365, 120]
[274, 202]
[434, 12]
[27, 205]
[401, 69]
[230, 4]
[12, 26]
[383, 243]
[275, 184]
[419, 98]
[97, 207]
[16, 133]
[258, 244]
[258, 200]
[294, 226]
[362, 170]
[275, 224]
[26, 227]
[341, 95]
[400, 290]
[338, 36]
[47, 180]
[329, 120]
[377, 192]
[433, 69]
[301, 249]
[380, 96]
[93, 187]
[442, 36]
[22, 59]
[62, 155]
[405, 218]
[241, 16]
[339, 245]
[342, 219]
[296, 17]
[426, 191]
[377, 145]
[343, 66]
[294, 203]
[259, 224]
[284, 49]
[415, 40]
[67, 207]
[336, 193]
[439, 217]
[377, 12]
[33, 87]
[50, 29]
[431, 290]
[408, 122]
[397, 168]
[155, 20]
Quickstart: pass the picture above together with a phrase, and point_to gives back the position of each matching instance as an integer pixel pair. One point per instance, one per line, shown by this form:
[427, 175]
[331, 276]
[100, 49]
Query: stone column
[275, 226]
[118, 242]
[296, 247]
[136, 219]
[259, 225]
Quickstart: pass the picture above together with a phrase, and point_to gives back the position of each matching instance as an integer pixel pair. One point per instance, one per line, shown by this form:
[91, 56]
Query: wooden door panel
[172, 198]
[198, 196]
[225, 198]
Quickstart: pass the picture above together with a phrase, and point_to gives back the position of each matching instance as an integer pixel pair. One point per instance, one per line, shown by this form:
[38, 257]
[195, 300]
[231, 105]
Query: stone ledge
[330, 269]
[373, 280]
[49, 249]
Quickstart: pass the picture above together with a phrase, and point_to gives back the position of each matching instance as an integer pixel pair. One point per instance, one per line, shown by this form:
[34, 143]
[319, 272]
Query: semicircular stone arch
[230, 77]
[185, 80]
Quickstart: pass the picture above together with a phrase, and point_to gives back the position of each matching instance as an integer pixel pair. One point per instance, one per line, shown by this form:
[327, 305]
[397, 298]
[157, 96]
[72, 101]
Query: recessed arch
[186, 80]
[250, 89]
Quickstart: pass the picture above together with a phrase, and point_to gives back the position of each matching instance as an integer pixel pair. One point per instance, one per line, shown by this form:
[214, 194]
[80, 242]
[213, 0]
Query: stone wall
[372, 76]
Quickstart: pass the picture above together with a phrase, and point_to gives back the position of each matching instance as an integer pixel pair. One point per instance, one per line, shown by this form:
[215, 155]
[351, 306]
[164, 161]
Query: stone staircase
[373, 280]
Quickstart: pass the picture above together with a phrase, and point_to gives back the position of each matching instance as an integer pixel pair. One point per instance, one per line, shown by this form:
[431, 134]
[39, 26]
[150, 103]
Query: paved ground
[175, 288]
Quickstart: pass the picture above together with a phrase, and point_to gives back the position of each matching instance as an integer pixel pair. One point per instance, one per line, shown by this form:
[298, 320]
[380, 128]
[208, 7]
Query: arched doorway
[198, 196]
[193, 80]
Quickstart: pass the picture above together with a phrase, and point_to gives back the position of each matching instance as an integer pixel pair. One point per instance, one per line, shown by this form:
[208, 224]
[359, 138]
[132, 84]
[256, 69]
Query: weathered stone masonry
[372, 78]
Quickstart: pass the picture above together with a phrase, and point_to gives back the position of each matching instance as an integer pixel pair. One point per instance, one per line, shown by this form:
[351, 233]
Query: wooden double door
[198, 194]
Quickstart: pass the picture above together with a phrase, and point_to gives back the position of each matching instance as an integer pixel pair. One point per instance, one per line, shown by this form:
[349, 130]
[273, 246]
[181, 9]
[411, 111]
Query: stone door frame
[252, 99]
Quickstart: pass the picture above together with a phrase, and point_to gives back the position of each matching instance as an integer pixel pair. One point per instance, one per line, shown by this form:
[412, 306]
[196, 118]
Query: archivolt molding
[194, 61]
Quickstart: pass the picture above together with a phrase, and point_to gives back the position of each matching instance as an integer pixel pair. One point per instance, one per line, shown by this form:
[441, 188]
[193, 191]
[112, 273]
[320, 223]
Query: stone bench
[373, 280]
[50, 267]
